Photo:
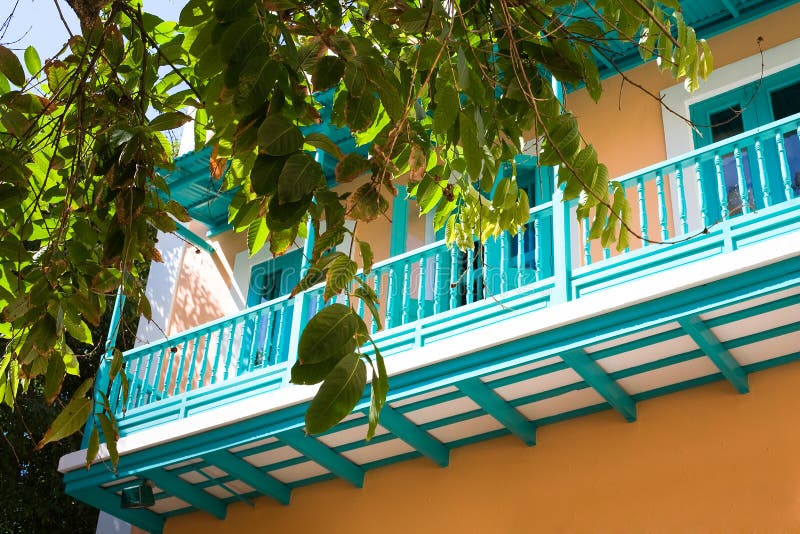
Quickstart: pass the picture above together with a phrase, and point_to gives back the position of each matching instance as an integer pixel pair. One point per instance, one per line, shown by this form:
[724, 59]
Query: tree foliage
[442, 92]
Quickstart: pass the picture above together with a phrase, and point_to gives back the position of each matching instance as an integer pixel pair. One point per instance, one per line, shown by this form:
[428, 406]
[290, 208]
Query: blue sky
[36, 22]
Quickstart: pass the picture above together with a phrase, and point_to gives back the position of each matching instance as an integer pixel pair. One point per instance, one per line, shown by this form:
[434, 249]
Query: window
[737, 111]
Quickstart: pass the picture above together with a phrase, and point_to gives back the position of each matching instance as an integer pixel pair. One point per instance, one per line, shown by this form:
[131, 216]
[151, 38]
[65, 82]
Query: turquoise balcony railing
[690, 205]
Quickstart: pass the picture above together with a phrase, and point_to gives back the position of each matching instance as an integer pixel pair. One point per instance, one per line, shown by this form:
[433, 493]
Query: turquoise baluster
[784, 165]
[537, 249]
[520, 254]
[743, 192]
[721, 190]
[681, 198]
[147, 380]
[470, 276]
[504, 260]
[217, 353]
[170, 365]
[204, 367]
[421, 293]
[762, 174]
[587, 245]
[438, 286]
[181, 364]
[406, 291]
[267, 348]
[159, 372]
[279, 355]
[231, 343]
[642, 211]
[377, 275]
[193, 363]
[391, 289]
[701, 193]
[662, 206]
[454, 278]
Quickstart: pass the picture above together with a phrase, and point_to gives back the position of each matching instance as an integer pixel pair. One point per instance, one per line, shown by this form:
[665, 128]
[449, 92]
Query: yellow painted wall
[701, 460]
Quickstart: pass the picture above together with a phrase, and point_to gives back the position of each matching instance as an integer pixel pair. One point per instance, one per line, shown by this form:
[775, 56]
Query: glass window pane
[726, 123]
[786, 101]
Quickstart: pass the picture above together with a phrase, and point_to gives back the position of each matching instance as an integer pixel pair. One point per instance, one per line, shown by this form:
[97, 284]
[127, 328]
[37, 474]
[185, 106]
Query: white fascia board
[603, 302]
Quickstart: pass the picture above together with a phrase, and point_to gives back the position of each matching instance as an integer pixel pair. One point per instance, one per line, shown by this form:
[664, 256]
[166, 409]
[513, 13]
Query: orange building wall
[701, 460]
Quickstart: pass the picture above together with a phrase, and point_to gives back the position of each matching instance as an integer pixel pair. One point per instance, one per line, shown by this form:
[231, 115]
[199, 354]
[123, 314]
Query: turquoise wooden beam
[497, 407]
[400, 426]
[320, 453]
[731, 8]
[716, 352]
[178, 487]
[193, 238]
[111, 503]
[249, 474]
[594, 375]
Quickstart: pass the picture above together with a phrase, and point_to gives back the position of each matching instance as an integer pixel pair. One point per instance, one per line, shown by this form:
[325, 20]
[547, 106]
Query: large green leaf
[314, 373]
[447, 108]
[328, 70]
[338, 395]
[300, 176]
[326, 333]
[71, 419]
[32, 61]
[11, 67]
[351, 167]
[278, 136]
[265, 174]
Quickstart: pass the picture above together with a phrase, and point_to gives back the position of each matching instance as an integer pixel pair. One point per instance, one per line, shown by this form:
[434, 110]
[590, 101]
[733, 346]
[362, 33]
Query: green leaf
[323, 142]
[4, 85]
[54, 377]
[366, 256]
[370, 299]
[340, 273]
[338, 394]
[111, 437]
[93, 447]
[257, 234]
[351, 167]
[169, 121]
[447, 109]
[314, 373]
[11, 67]
[470, 144]
[70, 420]
[366, 204]
[328, 70]
[116, 364]
[265, 174]
[380, 387]
[300, 176]
[278, 136]
[326, 333]
[32, 61]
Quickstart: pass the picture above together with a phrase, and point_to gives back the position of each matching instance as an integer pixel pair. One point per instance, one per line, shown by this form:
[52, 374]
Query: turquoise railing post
[562, 253]
[101, 381]
[397, 243]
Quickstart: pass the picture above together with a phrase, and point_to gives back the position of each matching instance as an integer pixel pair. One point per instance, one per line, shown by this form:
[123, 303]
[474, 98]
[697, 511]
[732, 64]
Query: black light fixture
[138, 496]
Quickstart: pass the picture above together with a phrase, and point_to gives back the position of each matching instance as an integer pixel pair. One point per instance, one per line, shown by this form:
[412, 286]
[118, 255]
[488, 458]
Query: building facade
[658, 385]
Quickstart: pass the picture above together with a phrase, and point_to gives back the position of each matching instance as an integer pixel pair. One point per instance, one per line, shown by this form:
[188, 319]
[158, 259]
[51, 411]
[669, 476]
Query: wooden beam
[596, 377]
[497, 407]
[716, 352]
[249, 474]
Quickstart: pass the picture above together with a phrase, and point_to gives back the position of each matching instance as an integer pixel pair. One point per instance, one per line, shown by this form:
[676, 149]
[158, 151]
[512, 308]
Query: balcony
[504, 338]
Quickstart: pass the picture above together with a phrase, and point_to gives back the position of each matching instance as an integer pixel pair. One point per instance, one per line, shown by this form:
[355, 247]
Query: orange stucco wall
[701, 460]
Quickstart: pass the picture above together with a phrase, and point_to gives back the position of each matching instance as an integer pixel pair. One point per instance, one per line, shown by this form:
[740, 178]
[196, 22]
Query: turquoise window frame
[288, 265]
[754, 99]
